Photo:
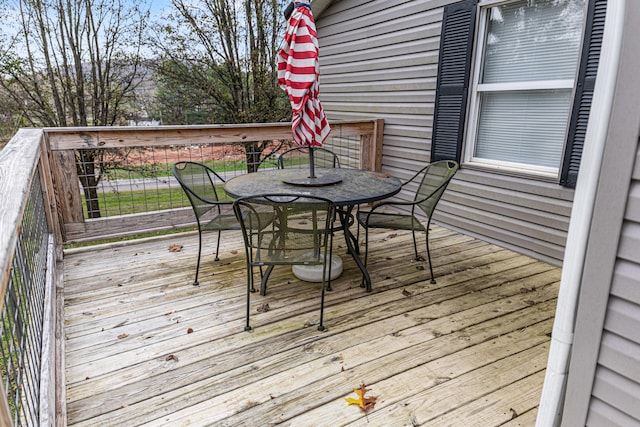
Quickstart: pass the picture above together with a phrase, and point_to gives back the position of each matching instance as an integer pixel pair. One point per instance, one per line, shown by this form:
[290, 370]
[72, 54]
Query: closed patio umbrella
[298, 76]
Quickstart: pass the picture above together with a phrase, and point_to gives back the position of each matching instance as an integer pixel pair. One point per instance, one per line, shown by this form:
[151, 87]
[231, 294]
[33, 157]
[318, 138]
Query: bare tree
[226, 51]
[74, 63]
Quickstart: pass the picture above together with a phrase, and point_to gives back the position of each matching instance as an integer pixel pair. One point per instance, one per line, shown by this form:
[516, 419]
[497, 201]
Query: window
[521, 93]
[528, 112]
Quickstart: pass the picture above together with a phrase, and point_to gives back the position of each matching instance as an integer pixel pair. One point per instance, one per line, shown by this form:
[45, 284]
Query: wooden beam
[47, 409]
[48, 193]
[129, 136]
[67, 188]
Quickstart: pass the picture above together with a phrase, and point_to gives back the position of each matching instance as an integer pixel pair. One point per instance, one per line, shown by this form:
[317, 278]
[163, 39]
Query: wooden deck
[145, 347]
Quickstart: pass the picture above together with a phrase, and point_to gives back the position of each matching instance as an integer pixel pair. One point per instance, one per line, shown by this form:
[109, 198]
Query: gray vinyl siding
[603, 384]
[616, 387]
[615, 398]
[380, 59]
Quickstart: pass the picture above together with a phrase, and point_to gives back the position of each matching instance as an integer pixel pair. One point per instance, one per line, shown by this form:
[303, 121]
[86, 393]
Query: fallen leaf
[171, 357]
[392, 235]
[175, 248]
[406, 293]
[234, 252]
[365, 403]
[263, 308]
[514, 414]
[190, 331]
[121, 336]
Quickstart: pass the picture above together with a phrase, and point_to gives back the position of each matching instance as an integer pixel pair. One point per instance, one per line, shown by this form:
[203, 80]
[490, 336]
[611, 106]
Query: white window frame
[476, 89]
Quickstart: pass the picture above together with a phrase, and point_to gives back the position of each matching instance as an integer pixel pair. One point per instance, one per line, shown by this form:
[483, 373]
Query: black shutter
[584, 92]
[454, 65]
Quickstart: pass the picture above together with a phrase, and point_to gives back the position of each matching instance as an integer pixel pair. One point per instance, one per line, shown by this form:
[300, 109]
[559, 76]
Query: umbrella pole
[312, 166]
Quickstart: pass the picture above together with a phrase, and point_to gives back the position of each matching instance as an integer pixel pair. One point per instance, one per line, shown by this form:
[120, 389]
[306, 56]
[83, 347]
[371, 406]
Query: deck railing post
[371, 147]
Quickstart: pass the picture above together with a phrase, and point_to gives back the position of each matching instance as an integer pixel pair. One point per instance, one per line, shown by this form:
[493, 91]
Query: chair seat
[390, 220]
[222, 222]
[288, 257]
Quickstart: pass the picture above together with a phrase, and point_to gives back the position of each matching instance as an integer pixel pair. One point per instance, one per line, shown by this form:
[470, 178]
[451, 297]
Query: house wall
[380, 59]
[603, 387]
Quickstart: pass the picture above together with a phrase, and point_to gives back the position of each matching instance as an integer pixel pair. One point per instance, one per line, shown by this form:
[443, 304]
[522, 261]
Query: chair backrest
[298, 157]
[436, 177]
[286, 228]
[199, 183]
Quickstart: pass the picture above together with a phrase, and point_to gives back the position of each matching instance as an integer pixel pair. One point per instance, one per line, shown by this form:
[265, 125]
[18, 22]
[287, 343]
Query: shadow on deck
[145, 347]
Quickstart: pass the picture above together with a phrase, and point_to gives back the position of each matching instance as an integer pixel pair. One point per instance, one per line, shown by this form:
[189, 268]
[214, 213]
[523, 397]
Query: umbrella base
[313, 273]
[317, 181]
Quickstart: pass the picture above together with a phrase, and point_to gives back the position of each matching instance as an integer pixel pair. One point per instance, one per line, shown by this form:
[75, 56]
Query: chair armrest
[381, 204]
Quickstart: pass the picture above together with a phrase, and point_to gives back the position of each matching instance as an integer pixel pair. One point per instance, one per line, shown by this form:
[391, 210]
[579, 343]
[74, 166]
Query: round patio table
[347, 188]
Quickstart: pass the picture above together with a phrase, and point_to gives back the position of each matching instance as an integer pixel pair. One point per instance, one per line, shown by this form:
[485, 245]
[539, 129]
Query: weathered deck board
[145, 347]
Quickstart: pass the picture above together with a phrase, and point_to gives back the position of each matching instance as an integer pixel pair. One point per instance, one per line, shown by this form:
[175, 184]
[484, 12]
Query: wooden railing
[43, 208]
[64, 143]
[28, 262]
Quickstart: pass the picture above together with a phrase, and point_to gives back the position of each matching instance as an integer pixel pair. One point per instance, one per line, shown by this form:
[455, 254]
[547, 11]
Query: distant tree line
[96, 62]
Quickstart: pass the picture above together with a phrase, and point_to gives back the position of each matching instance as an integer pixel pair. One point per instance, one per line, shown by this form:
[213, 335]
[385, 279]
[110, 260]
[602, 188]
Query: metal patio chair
[300, 234]
[199, 183]
[435, 178]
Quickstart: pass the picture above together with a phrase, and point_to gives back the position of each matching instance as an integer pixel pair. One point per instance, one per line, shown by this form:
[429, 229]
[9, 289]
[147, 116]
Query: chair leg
[247, 327]
[218, 245]
[264, 278]
[195, 282]
[321, 325]
[329, 276]
[433, 281]
[366, 251]
[415, 245]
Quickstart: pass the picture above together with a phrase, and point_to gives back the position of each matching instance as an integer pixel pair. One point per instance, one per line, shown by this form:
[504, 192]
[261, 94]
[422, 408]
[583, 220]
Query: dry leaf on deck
[121, 336]
[263, 308]
[175, 248]
[365, 403]
[190, 331]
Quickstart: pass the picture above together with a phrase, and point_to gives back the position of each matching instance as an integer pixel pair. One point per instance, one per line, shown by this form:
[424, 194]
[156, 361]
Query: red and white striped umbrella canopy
[298, 74]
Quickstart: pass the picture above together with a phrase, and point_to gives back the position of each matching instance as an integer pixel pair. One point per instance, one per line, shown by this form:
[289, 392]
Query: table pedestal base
[313, 273]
